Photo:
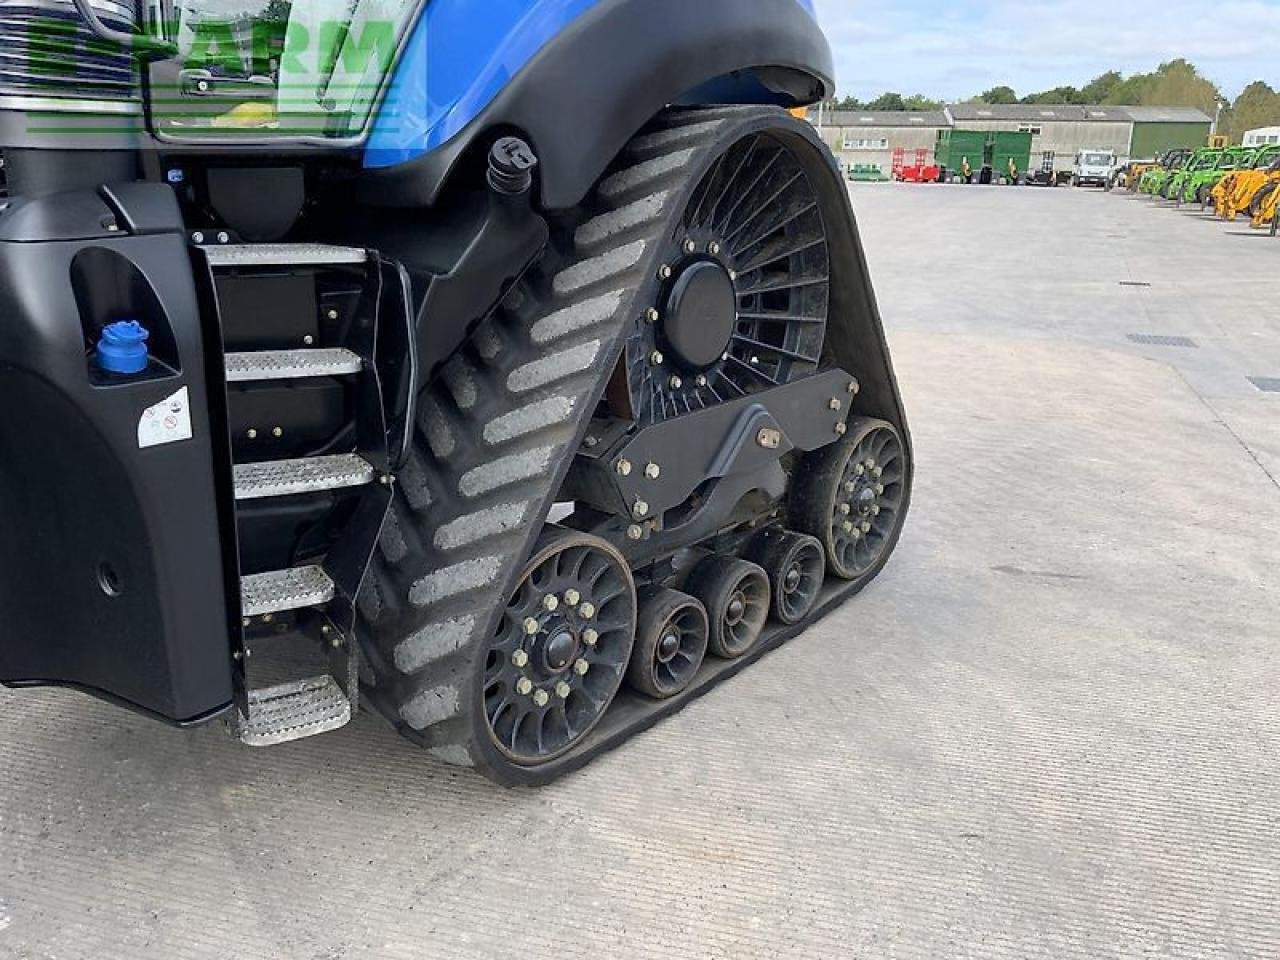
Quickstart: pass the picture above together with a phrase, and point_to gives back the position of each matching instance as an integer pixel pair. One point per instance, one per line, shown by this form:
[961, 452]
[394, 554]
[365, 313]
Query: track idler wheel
[796, 564]
[559, 655]
[851, 497]
[736, 595]
[671, 644]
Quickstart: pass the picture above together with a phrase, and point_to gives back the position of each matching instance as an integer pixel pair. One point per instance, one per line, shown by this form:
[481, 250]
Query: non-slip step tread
[286, 478]
[283, 590]
[291, 364]
[294, 711]
[284, 255]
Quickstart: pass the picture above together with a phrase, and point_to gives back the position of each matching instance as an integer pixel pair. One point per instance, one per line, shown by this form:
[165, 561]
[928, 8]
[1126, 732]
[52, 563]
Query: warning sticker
[167, 422]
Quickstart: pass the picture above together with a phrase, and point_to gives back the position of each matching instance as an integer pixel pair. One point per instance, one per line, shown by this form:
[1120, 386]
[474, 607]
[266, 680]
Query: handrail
[143, 46]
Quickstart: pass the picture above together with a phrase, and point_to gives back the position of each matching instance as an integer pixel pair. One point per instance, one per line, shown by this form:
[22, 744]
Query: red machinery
[921, 172]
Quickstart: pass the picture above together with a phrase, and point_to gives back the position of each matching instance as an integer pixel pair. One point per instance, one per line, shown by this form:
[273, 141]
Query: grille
[47, 52]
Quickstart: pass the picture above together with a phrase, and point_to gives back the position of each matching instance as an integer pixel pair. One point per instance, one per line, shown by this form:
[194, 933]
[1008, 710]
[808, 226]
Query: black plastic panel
[111, 573]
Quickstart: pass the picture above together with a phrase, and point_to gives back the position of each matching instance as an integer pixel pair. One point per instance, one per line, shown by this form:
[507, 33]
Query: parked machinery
[1237, 193]
[1155, 180]
[461, 354]
[1195, 185]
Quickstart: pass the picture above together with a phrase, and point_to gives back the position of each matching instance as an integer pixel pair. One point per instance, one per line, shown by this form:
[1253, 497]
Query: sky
[952, 51]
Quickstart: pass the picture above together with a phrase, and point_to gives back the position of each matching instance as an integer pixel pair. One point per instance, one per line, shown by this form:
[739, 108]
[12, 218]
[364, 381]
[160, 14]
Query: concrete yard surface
[1050, 730]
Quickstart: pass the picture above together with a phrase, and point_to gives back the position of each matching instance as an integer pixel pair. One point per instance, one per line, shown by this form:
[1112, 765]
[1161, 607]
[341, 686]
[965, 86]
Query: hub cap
[700, 314]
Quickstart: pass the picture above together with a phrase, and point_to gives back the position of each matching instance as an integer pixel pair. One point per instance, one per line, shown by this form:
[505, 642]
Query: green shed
[1157, 129]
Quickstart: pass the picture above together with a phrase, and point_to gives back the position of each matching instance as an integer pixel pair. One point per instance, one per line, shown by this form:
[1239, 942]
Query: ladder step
[291, 364]
[287, 478]
[294, 711]
[285, 590]
[284, 255]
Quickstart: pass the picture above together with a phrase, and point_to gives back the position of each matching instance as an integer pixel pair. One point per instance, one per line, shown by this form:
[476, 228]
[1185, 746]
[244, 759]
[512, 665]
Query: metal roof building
[867, 137]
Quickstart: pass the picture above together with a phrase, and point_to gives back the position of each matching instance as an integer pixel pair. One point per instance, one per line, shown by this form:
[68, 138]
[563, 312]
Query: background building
[1062, 130]
[872, 138]
[1132, 132]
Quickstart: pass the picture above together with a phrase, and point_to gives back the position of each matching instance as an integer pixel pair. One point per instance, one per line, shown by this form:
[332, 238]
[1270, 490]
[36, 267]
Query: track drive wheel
[796, 565]
[851, 496]
[736, 595]
[671, 643]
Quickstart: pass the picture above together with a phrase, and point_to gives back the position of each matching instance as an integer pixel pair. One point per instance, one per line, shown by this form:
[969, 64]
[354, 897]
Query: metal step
[293, 711]
[291, 364]
[284, 255]
[285, 590]
[287, 478]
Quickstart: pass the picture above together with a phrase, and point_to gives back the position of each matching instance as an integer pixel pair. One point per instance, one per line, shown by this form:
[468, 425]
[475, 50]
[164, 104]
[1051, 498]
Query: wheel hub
[559, 650]
[668, 647]
[702, 309]
[737, 609]
[792, 580]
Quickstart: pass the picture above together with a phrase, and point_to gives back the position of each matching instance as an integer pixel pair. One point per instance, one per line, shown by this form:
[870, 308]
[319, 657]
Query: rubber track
[497, 432]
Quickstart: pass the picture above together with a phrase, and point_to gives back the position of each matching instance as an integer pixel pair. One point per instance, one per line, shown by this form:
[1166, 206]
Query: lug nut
[850, 487]
[635, 532]
[701, 381]
[332, 314]
[572, 597]
[623, 468]
[224, 237]
[875, 510]
[866, 526]
[841, 429]
[657, 359]
[878, 472]
[854, 387]
[308, 340]
[665, 272]
[197, 237]
[713, 248]
[532, 627]
[551, 602]
[587, 610]
[540, 698]
[653, 471]
[879, 489]
[581, 668]
[640, 510]
[871, 463]
[252, 434]
[860, 470]
[563, 690]
[590, 637]
[690, 247]
[652, 315]
[845, 509]
[847, 526]
[278, 432]
[677, 383]
[524, 686]
[520, 659]
[835, 404]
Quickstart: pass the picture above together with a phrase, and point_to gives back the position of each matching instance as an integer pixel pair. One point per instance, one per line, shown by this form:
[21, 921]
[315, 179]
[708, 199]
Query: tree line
[1177, 83]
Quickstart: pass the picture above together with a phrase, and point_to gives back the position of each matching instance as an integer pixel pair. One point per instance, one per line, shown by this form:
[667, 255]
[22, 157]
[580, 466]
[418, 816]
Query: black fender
[595, 85]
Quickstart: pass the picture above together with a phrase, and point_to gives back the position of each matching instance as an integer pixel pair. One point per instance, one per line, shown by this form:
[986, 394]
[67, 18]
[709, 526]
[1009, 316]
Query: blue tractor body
[363, 321]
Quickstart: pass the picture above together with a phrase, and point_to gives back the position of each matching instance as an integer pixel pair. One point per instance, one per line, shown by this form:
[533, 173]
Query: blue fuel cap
[123, 347]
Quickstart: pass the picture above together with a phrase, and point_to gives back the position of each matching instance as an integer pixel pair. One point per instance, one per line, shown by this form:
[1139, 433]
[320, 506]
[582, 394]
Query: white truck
[1093, 168]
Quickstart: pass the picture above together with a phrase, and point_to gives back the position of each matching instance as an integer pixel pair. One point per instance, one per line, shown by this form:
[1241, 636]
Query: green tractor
[1155, 179]
[1194, 184]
